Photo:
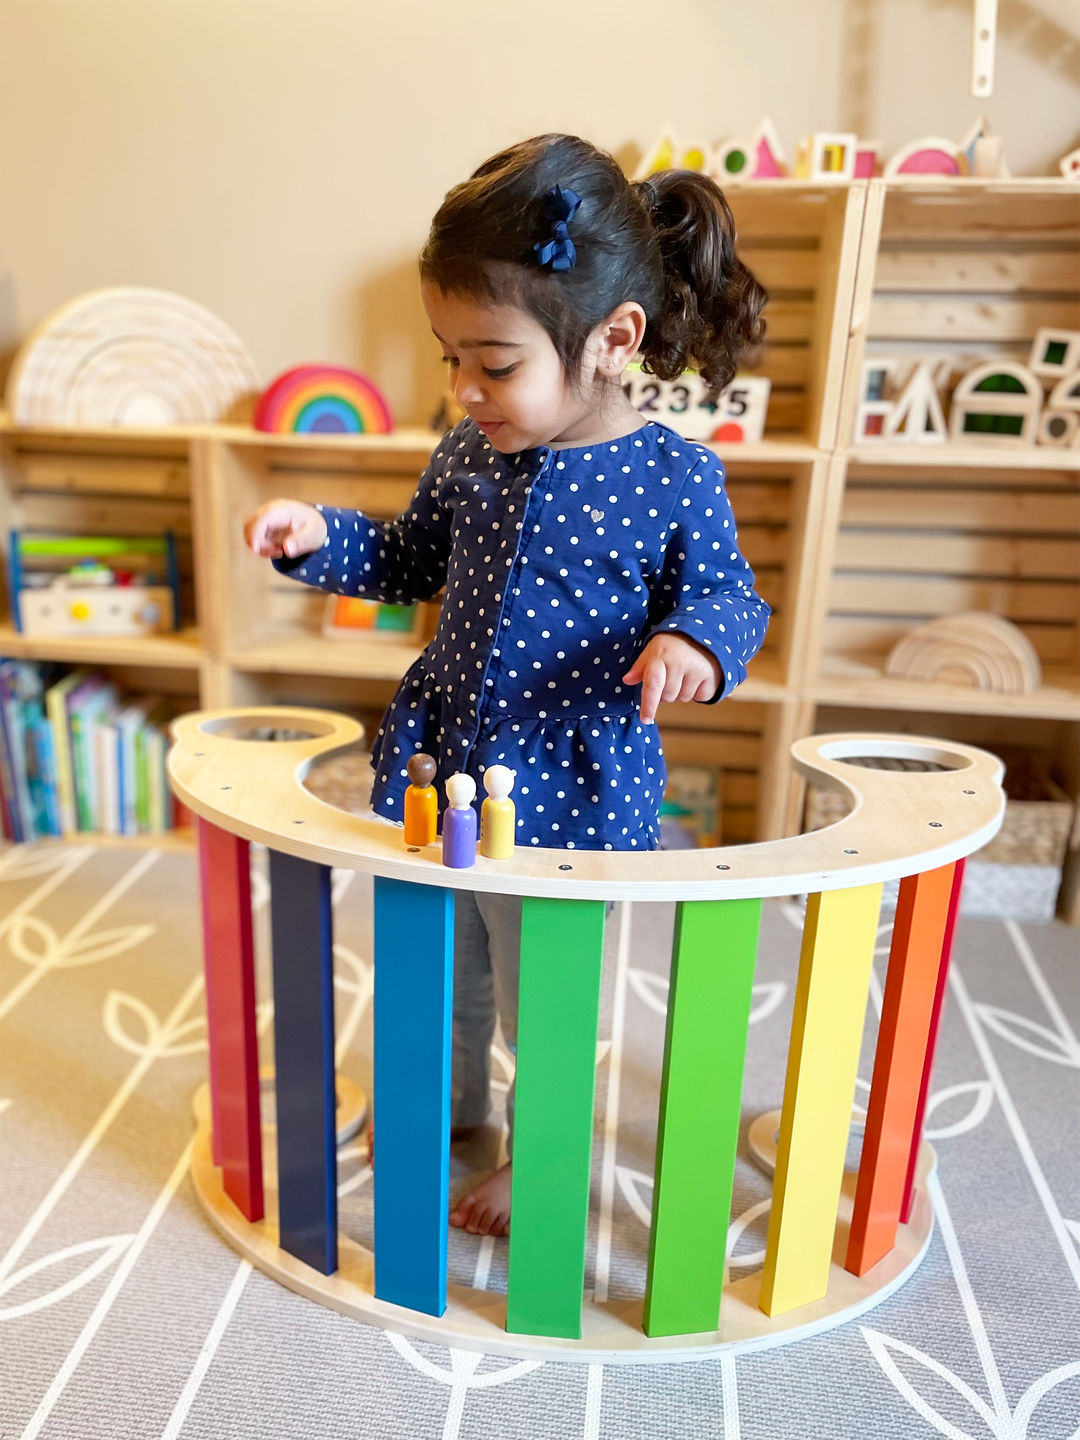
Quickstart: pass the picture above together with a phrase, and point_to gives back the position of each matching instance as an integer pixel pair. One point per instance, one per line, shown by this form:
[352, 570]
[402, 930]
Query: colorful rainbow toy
[323, 400]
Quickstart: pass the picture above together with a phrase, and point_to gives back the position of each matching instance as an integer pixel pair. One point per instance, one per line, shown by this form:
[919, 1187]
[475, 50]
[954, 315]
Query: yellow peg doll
[497, 814]
[421, 801]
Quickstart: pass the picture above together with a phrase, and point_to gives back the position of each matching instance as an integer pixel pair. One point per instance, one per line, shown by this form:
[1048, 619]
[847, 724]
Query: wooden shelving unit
[851, 544]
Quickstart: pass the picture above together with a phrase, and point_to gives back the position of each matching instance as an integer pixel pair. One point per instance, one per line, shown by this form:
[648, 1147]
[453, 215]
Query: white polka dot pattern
[558, 567]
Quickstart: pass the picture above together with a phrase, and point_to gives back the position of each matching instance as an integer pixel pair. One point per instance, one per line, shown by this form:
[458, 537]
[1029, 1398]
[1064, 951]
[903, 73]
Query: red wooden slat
[228, 955]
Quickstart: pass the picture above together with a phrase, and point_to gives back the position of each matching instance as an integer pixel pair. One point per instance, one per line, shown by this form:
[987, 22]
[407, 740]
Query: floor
[125, 1315]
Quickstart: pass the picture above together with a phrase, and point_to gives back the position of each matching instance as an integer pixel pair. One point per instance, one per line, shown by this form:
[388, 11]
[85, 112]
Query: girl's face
[505, 372]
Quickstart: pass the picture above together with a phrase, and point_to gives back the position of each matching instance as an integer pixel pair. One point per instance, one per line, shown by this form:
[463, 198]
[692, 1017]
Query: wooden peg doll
[459, 823]
[497, 814]
[421, 801]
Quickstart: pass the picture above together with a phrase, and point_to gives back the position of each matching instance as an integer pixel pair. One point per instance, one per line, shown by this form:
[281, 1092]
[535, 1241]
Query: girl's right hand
[284, 527]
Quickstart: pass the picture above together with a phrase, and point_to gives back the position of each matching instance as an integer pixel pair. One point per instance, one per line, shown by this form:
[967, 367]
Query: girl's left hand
[672, 667]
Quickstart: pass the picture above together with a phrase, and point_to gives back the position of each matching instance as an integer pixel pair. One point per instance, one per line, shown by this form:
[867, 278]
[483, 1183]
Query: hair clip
[560, 207]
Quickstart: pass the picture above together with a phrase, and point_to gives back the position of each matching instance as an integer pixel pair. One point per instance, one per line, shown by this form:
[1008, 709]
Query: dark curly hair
[667, 242]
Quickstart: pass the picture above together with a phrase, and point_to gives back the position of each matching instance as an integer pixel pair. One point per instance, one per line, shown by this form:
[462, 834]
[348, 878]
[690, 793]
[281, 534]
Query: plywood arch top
[131, 355]
[902, 823]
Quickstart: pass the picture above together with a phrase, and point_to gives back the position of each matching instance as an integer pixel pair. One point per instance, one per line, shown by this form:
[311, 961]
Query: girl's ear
[616, 340]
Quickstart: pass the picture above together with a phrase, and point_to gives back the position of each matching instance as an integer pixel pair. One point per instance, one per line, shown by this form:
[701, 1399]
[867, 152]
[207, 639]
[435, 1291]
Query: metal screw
[935, 824]
[566, 867]
[723, 867]
[226, 787]
[414, 849]
[969, 792]
[851, 852]
[298, 822]
[199, 754]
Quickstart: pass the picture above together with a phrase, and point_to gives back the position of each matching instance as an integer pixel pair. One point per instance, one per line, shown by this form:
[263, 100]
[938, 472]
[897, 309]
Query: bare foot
[485, 1210]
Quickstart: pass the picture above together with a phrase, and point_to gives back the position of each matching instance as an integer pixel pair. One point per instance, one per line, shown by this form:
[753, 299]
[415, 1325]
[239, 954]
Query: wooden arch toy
[130, 355]
[915, 826]
[998, 401]
[977, 648]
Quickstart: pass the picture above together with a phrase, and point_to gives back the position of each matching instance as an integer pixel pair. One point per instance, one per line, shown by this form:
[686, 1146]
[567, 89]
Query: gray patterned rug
[123, 1314]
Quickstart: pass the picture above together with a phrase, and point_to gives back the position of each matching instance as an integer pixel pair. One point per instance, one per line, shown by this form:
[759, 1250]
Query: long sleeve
[397, 561]
[706, 588]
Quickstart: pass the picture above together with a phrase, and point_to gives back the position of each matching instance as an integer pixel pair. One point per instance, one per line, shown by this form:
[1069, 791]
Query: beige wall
[279, 160]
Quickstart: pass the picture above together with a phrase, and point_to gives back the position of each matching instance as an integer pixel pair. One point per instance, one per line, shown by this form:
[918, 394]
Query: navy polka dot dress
[559, 565]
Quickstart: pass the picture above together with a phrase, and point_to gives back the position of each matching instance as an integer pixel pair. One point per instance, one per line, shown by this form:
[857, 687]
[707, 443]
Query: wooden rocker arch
[836, 1246]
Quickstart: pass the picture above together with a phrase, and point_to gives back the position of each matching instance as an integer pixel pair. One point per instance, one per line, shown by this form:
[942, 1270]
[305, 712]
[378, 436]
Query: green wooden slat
[712, 975]
[562, 944]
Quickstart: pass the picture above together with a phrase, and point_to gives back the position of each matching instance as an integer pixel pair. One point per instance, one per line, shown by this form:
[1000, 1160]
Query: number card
[737, 414]
[349, 617]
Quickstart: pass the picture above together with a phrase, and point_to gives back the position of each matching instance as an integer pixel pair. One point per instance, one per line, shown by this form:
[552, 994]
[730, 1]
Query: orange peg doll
[497, 829]
[421, 801]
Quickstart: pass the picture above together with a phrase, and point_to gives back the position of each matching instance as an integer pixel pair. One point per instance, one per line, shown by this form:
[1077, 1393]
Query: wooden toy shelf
[852, 545]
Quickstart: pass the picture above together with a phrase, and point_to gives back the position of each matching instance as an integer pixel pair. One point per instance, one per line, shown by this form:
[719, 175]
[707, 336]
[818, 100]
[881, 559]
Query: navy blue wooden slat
[302, 927]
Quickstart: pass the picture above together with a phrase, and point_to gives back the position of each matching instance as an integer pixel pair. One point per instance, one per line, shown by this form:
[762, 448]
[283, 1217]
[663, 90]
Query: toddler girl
[585, 552]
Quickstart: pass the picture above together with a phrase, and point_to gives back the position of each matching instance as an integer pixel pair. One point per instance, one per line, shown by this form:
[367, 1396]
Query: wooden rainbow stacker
[836, 1245]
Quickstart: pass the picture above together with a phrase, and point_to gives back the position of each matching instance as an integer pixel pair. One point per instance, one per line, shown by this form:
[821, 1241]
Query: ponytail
[710, 309]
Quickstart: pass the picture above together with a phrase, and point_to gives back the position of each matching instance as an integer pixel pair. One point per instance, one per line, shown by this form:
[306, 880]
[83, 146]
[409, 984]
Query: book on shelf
[76, 755]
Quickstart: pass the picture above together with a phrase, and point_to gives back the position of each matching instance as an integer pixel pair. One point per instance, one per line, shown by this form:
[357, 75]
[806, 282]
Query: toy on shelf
[322, 400]
[737, 414]
[997, 401]
[421, 801]
[690, 812]
[916, 417]
[929, 156]
[351, 617]
[827, 155]
[498, 822]
[1069, 165]
[459, 823]
[667, 152]
[981, 154]
[977, 649]
[1059, 423]
[1054, 353]
[94, 584]
[131, 356]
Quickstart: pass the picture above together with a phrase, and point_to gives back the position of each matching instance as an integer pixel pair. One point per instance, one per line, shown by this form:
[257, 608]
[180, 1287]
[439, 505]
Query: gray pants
[487, 944]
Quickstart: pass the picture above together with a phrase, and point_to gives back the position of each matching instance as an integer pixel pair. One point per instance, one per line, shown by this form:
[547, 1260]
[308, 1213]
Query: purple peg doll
[459, 823]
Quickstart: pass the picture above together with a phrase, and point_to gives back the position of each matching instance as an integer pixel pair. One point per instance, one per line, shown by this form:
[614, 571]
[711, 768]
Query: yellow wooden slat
[920, 595]
[950, 318]
[849, 636]
[779, 268]
[830, 1002]
[957, 554]
[1012, 511]
[982, 271]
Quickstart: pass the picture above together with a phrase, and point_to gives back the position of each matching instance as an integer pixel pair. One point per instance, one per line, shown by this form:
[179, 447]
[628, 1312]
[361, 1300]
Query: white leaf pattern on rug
[111, 1248]
[652, 990]
[24, 862]
[57, 954]
[1012, 1027]
[882, 1345]
[982, 1093]
[157, 1040]
[461, 1376]
[633, 1184]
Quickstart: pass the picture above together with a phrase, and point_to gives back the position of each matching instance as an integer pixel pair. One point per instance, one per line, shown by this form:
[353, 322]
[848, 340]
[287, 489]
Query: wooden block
[228, 955]
[414, 974]
[826, 1033]
[931, 1041]
[562, 944]
[712, 974]
[301, 923]
[903, 1035]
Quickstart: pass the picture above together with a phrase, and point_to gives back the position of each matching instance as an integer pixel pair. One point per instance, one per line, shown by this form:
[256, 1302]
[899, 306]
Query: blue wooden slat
[302, 927]
[414, 974]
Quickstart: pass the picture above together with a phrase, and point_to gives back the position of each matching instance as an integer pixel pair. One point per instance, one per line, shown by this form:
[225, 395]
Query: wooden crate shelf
[852, 545]
[802, 241]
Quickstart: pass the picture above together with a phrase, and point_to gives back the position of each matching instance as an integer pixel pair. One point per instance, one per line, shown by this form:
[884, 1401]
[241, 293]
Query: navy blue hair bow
[560, 207]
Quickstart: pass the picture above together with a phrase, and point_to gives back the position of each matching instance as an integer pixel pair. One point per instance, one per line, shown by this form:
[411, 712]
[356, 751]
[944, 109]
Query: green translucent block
[712, 976]
[562, 945]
